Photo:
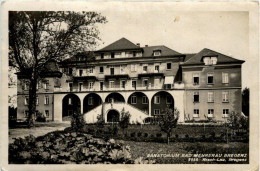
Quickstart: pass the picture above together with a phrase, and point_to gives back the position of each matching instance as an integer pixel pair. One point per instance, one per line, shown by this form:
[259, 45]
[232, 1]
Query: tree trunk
[168, 138]
[32, 100]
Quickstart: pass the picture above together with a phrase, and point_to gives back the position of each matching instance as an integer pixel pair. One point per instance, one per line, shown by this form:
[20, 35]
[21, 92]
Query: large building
[141, 80]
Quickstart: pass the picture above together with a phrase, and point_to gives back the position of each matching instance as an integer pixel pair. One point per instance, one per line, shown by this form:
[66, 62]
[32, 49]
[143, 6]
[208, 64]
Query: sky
[184, 32]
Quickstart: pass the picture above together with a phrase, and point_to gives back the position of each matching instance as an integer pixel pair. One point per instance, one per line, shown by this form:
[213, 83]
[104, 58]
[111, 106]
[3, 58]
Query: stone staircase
[137, 115]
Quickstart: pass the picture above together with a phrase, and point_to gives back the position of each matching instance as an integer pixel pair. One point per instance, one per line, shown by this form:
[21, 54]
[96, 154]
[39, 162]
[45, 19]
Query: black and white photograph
[130, 83]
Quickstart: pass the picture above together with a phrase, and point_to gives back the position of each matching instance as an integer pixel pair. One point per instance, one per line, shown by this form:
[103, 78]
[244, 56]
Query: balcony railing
[119, 87]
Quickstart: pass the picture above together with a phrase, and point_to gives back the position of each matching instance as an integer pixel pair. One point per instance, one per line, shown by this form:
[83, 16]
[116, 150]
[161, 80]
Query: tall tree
[245, 101]
[35, 38]
[168, 120]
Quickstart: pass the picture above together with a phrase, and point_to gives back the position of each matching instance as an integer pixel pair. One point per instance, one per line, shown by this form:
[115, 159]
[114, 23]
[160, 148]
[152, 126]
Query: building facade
[141, 80]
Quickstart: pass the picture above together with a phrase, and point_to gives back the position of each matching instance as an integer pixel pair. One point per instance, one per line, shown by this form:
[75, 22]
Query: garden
[126, 143]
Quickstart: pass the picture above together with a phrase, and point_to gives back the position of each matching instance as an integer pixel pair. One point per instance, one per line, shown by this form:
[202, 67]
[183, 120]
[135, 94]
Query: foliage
[168, 121]
[100, 121]
[39, 37]
[245, 101]
[77, 122]
[40, 117]
[125, 119]
[69, 147]
[238, 121]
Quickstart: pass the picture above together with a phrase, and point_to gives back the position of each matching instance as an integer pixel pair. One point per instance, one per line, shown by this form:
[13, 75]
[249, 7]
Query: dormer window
[210, 60]
[157, 53]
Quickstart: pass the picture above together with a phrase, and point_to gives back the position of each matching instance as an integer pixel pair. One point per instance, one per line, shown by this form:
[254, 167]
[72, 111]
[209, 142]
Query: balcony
[150, 74]
[107, 77]
[83, 78]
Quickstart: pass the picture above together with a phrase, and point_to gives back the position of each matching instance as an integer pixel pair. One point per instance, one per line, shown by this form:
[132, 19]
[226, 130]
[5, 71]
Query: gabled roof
[197, 58]
[120, 44]
[165, 51]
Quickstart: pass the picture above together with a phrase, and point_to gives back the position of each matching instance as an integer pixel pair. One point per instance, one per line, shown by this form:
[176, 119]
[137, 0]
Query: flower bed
[61, 147]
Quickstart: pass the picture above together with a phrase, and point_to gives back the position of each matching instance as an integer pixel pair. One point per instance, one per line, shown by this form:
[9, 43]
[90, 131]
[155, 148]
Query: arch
[70, 105]
[160, 101]
[117, 97]
[113, 116]
[91, 101]
[139, 100]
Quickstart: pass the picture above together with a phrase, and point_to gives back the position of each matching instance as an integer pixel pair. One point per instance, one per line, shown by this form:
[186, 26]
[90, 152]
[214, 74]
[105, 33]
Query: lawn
[147, 149]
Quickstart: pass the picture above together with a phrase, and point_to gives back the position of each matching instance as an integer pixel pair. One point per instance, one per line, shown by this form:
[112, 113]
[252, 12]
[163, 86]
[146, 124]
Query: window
[133, 99]
[157, 100]
[112, 55]
[80, 86]
[70, 71]
[90, 101]
[112, 70]
[144, 100]
[196, 113]
[225, 78]
[37, 100]
[225, 111]
[134, 84]
[101, 85]
[26, 113]
[168, 99]
[26, 100]
[71, 86]
[145, 83]
[157, 53]
[133, 67]
[122, 83]
[90, 85]
[225, 96]
[91, 70]
[80, 72]
[46, 100]
[196, 97]
[102, 56]
[70, 101]
[145, 68]
[156, 111]
[134, 54]
[210, 78]
[210, 112]
[101, 69]
[196, 78]
[112, 84]
[26, 87]
[46, 85]
[169, 65]
[122, 69]
[47, 114]
[156, 68]
[210, 96]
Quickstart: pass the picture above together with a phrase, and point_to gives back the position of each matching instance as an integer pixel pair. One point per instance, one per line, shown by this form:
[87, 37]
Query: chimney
[146, 45]
[138, 44]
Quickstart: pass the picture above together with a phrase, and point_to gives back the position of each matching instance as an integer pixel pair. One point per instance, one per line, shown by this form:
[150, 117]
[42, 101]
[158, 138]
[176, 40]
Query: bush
[145, 134]
[132, 134]
[77, 122]
[40, 117]
[115, 130]
[139, 134]
[159, 135]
